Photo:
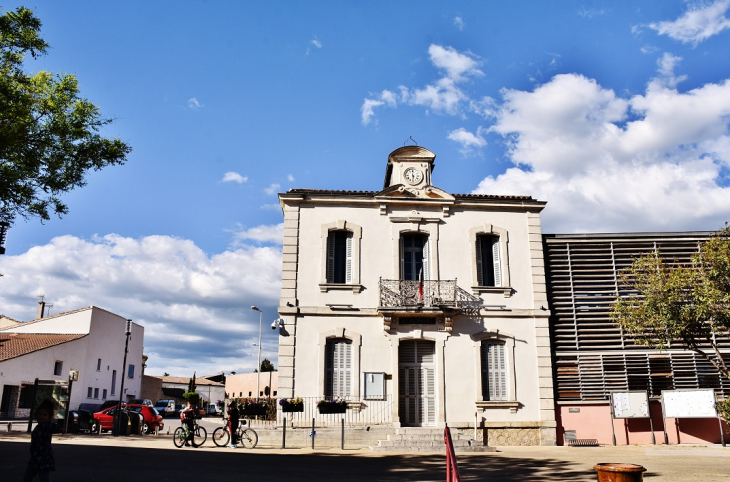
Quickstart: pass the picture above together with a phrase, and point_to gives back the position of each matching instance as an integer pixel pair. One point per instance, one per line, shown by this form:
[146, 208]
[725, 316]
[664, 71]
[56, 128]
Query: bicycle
[182, 435]
[246, 436]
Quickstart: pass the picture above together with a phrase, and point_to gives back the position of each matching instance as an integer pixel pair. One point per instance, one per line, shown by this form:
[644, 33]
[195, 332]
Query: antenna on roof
[410, 138]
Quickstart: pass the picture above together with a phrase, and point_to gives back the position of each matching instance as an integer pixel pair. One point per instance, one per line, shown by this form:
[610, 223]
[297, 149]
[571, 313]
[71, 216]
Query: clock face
[413, 176]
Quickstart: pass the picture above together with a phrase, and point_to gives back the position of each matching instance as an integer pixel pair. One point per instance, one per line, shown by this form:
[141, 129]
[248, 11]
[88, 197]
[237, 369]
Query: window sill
[513, 405]
[506, 290]
[325, 287]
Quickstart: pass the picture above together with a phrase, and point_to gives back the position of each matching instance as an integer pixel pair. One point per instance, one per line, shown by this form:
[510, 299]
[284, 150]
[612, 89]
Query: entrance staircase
[427, 439]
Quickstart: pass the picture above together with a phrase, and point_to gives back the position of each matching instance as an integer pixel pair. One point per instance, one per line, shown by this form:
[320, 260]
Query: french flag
[420, 284]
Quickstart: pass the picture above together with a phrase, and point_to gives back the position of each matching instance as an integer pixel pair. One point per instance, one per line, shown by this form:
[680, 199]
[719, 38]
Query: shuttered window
[414, 257]
[338, 368]
[489, 265]
[339, 257]
[494, 371]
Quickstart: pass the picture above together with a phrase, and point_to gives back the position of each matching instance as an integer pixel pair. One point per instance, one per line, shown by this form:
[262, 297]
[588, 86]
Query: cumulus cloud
[605, 163]
[194, 307]
[266, 233]
[701, 21]
[459, 23]
[194, 104]
[272, 189]
[232, 176]
[467, 140]
[290, 178]
[443, 95]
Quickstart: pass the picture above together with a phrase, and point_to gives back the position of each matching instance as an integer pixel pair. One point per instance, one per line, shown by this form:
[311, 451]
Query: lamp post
[258, 366]
[118, 414]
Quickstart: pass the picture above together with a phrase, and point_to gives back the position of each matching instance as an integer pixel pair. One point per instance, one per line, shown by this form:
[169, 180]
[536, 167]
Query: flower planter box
[326, 409]
[292, 408]
[253, 411]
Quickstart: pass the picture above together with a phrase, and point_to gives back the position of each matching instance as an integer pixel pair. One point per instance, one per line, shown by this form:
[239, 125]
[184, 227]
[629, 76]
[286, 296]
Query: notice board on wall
[689, 403]
[630, 404]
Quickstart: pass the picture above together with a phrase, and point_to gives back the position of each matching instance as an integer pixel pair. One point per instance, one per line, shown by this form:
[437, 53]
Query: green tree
[267, 366]
[49, 136]
[679, 305]
[191, 384]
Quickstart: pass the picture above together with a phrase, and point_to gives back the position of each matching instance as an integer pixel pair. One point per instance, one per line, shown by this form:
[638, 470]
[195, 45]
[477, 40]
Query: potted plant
[292, 404]
[334, 405]
[252, 407]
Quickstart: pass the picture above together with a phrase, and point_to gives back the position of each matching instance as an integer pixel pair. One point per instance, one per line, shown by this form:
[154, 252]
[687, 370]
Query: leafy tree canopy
[267, 366]
[678, 305]
[49, 135]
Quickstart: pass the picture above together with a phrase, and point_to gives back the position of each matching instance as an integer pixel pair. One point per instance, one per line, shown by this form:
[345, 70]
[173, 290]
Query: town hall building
[432, 303]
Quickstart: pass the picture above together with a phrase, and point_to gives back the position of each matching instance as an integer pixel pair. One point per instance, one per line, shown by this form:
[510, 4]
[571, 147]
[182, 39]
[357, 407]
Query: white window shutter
[497, 261]
[425, 260]
[348, 261]
[331, 257]
[494, 371]
[480, 277]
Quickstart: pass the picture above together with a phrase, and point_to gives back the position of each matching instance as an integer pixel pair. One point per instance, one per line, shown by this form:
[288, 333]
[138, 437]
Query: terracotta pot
[619, 472]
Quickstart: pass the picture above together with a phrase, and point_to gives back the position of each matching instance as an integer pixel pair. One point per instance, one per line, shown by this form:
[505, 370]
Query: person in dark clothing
[187, 416]
[233, 418]
[41, 454]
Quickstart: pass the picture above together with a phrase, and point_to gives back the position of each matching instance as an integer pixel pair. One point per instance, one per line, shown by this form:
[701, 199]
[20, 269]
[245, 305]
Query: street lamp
[258, 367]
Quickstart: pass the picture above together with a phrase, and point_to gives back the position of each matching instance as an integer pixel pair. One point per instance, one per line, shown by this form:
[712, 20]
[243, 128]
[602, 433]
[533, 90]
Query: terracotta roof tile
[13, 345]
[373, 193]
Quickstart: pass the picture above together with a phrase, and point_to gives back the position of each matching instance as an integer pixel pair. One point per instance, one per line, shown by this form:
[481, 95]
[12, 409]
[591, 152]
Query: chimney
[41, 309]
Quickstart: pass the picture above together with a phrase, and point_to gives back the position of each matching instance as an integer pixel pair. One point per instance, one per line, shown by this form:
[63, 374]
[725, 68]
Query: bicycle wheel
[221, 437]
[248, 438]
[199, 436]
[178, 438]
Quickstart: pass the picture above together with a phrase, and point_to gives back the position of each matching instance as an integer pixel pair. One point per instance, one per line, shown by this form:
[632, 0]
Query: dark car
[152, 418]
[142, 401]
[108, 404]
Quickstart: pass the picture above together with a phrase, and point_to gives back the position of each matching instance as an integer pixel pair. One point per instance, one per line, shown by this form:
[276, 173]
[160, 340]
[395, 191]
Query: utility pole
[118, 414]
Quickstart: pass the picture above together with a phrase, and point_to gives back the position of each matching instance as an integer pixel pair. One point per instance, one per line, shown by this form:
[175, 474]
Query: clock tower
[410, 166]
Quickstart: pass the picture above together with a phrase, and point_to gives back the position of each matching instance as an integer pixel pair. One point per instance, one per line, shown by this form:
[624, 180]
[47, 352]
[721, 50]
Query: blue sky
[615, 113]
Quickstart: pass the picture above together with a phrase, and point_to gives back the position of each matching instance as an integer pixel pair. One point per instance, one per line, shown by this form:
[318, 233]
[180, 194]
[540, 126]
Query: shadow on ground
[79, 463]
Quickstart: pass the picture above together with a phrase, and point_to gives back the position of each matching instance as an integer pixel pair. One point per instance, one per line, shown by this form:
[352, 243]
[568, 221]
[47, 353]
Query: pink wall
[594, 422]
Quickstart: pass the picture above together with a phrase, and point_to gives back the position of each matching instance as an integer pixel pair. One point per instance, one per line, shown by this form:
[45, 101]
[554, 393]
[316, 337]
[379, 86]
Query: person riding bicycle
[233, 417]
[187, 417]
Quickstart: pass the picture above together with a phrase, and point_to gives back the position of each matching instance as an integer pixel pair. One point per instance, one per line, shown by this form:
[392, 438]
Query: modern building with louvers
[592, 358]
[419, 307]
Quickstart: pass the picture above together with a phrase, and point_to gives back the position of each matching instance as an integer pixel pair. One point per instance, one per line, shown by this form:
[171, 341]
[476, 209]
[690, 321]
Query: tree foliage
[267, 366]
[49, 135]
[680, 305]
[191, 384]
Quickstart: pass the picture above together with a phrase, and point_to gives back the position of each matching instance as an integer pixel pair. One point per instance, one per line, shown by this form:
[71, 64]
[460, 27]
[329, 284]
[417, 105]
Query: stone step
[426, 437]
[425, 443]
[440, 450]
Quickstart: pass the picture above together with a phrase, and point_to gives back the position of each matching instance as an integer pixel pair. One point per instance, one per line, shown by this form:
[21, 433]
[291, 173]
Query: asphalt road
[109, 459]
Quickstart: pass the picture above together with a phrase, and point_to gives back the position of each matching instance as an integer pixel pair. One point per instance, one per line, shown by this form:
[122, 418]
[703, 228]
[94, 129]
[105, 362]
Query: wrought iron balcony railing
[396, 293]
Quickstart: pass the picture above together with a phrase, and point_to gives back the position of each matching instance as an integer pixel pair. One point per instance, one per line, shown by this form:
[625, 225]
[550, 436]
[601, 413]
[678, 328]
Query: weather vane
[410, 138]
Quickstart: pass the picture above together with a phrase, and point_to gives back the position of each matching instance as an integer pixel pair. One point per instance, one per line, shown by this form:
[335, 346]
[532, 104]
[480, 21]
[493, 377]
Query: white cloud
[191, 305]
[194, 104]
[666, 63]
[316, 43]
[271, 207]
[290, 178]
[701, 21]
[467, 140]
[266, 233]
[442, 96]
[272, 189]
[590, 12]
[459, 23]
[604, 163]
[231, 176]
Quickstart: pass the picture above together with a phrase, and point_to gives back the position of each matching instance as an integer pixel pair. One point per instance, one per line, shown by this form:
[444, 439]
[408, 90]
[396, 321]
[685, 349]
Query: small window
[494, 371]
[89, 392]
[274, 392]
[130, 371]
[249, 394]
[26, 396]
[489, 270]
[96, 393]
[57, 368]
[339, 257]
[338, 368]
[98, 365]
[104, 394]
[114, 381]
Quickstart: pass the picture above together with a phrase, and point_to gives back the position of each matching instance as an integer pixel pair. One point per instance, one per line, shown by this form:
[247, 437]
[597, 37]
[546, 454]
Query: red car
[152, 418]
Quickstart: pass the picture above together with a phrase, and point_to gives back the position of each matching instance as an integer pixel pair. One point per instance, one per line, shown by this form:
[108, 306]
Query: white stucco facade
[97, 355]
[455, 316]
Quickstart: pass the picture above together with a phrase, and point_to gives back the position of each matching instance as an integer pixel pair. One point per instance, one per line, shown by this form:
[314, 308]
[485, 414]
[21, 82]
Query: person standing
[41, 454]
[187, 416]
[233, 419]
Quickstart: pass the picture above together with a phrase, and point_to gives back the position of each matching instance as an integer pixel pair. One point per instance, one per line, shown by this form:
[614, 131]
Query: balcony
[414, 294]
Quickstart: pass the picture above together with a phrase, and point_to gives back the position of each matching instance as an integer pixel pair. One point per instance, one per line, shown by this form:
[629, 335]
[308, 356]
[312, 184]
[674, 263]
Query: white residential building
[90, 340]
[432, 301]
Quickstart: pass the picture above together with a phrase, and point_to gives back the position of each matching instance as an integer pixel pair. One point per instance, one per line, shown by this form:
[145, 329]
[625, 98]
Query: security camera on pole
[258, 366]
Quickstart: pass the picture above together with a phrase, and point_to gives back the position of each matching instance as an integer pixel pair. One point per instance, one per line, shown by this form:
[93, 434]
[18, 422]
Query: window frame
[502, 234]
[356, 343]
[511, 401]
[341, 225]
[332, 387]
[130, 371]
[98, 364]
[58, 368]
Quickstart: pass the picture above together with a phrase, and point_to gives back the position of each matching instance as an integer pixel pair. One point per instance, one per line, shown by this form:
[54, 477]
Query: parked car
[108, 404]
[178, 409]
[165, 407]
[213, 410]
[152, 418]
[142, 401]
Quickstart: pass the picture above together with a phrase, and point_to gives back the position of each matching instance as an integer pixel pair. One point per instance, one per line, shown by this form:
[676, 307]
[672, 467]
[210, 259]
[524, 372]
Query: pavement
[81, 458]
